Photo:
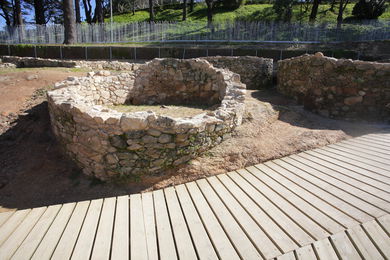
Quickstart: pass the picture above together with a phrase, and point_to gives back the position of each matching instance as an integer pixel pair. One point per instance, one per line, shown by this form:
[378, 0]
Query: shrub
[232, 4]
[369, 9]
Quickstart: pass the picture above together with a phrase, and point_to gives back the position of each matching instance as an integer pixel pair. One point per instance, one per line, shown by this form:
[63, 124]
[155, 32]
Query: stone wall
[110, 144]
[255, 72]
[29, 62]
[337, 88]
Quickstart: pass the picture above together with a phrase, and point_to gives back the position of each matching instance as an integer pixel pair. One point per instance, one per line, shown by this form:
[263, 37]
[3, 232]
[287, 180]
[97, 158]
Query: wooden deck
[328, 203]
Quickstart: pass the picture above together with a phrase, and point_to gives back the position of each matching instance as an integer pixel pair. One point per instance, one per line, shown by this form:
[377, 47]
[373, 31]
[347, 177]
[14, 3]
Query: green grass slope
[251, 12]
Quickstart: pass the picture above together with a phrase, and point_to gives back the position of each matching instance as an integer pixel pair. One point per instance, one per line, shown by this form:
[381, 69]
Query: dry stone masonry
[110, 144]
[255, 72]
[30, 62]
[337, 88]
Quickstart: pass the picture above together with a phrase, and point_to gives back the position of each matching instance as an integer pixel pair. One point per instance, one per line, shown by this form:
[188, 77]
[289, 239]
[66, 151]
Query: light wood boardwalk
[327, 203]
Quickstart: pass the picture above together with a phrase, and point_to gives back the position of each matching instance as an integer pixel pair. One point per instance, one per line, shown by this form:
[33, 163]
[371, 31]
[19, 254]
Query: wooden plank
[352, 171]
[120, 239]
[239, 239]
[53, 235]
[361, 149]
[296, 233]
[305, 253]
[324, 250]
[203, 245]
[384, 221]
[9, 246]
[164, 230]
[280, 238]
[378, 236]
[363, 153]
[150, 225]
[86, 238]
[332, 185]
[344, 246]
[216, 233]
[358, 209]
[370, 144]
[12, 223]
[322, 201]
[354, 143]
[4, 216]
[138, 246]
[378, 139]
[287, 256]
[27, 248]
[315, 214]
[372, 195]
[301, 219]
[185, 248]
[68, 239]
[102, 245]
[257, 235]
[354, 164]
[363, 243]
[363, 161]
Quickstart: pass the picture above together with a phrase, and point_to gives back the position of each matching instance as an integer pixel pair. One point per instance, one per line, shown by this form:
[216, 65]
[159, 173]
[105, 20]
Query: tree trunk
[191, 6]
[133, 7]
[87, 9]
[77, 9]
[18, 19]
[314, 10]
[99, 18]
[69, 22]
[151, 11]
[39, 12]
[332, 6]
[342, 7]
[184, 10]
[209, 4]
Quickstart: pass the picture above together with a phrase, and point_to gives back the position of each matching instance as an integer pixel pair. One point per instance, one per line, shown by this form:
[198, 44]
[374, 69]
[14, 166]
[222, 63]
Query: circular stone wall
[106, 143]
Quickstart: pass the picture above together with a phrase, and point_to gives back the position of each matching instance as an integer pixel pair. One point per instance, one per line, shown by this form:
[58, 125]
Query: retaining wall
[337, 88]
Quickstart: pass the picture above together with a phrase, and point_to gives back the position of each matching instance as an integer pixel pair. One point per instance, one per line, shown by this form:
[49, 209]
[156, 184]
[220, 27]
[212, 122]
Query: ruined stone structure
[337, 88]
[255, 72]
[106, 143]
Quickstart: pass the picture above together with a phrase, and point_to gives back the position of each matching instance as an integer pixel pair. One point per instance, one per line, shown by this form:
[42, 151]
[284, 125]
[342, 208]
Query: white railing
[239, 31]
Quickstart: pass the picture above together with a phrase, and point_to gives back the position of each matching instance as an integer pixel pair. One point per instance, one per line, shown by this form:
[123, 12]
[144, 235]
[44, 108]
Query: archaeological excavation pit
[107, 142]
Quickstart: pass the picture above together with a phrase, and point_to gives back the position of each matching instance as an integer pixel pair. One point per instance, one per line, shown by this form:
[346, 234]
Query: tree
[184, 10]
[314, 10]
[209, 4]
[151, 11]
[39, 9]
[343, 4]
[77, 9]
[369, 9]
[191, 6]
[98, 17]
[232, 4]
[18, 19]
[283, 9]
[88, 10]
[69, 22]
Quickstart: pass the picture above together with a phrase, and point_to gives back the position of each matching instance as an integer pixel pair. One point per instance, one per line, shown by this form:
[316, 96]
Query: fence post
[135, 53]
[9, 50]
[35, 51]
[61, 52]
[86, 53]
[110, 53]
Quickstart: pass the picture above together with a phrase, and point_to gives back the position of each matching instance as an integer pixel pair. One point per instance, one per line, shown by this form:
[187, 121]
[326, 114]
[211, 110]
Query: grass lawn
[251, 12]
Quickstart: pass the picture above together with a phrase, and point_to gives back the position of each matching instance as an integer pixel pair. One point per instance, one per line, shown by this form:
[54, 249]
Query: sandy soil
[34, 171]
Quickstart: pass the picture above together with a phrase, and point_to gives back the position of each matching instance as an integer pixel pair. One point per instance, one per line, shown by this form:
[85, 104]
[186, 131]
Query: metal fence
[239, 31]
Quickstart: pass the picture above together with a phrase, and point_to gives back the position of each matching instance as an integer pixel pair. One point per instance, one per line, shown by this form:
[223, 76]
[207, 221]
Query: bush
[283, 9]
[369, 9]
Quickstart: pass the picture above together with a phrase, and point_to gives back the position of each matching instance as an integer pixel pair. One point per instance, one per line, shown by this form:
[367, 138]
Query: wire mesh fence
[238, 31]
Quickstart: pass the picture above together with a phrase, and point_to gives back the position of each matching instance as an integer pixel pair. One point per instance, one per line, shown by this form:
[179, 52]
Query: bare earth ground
[34, 171]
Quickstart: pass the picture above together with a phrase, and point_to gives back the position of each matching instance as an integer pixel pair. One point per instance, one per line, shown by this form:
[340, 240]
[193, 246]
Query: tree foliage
[232, 4]
[283, 9]
[369, 9]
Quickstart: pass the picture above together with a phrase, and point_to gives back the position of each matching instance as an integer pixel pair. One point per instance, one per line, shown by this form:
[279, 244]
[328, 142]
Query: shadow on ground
[294, 114]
